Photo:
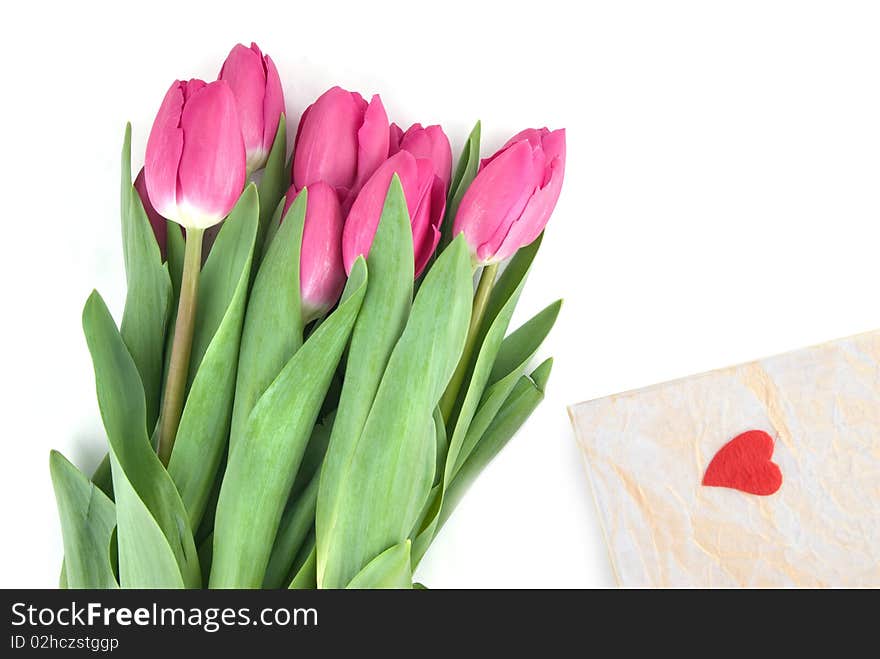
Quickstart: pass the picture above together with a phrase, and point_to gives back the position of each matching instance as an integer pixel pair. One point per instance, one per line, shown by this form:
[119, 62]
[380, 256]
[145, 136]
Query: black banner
[165, 623]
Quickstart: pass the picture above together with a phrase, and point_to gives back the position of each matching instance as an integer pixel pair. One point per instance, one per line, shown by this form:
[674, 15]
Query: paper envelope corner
[646, 452]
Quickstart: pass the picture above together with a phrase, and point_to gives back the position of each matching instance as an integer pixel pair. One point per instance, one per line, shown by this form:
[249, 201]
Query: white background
[721, 203]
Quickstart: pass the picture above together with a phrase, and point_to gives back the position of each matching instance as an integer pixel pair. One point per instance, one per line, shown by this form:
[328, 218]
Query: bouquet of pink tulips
[306, 378]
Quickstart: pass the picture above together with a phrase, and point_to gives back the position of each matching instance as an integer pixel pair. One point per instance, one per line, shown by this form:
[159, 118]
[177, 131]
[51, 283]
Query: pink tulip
[157, 222]
[259, 98]
[430, 142]
[425, 200]
[321, 273]
[195, 165]
[509, 202]
[341, 141]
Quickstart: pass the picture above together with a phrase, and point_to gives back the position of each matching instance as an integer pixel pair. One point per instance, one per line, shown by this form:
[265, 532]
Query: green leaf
[509, 282]
[273, 325]
[465, 172]
[274, 225]
[522, 401]
[306, 577]
[148, 299]
[442, 445]
[426, 527]
[313, 458]
[299, 518]
[263, 465]
[156, 548]
[88, 518]
[273, 184]
[379, 325]
[297, 521]
[103, 478]
[516, 352]
[220, 279]
[175, 248]
[204, 424]
[390, 569]
[513, 355]
[499, 311]
[521, 345]
[392, 467]
[206, 556]
[524, 398]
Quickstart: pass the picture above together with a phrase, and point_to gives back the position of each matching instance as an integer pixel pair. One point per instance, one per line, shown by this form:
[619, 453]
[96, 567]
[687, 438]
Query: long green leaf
[514, 355]
[88, 518]
[273, 185]
[262, 467]
[156, 547]
[204, 424]
[274, 225]
[510, 360]
[390, 569]
[220, 279]
[465, 172]
[297, 521]
[392, 467]
[299, 517]
[313, 457]
[510, 280]
[148, 299]
[273, 326]
[379, 325]
[306, 577]
[523, 399]
[490, 337]
[442, 445]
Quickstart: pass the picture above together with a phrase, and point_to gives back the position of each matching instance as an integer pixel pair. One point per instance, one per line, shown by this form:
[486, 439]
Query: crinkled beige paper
[646, 452]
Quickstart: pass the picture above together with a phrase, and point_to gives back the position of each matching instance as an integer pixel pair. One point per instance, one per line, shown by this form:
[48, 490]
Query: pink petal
[395, 135]
[211, 174]
[164, 148]
[273, 104]
[431, 143]
[243, 71]
[327, 140]
[536, 214]
[373, 142]
[554, 145]
[322, 274]
[192, 86]
[495, 199]
[534, 136]
[362, 220]
[420, 211]
[425, 244]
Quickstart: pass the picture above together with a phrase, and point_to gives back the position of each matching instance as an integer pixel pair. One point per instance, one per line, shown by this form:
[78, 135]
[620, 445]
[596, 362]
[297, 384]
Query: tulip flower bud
[195, 161]
[341, 141]
[425, 200]
[254, 81]
[510, 200]
[321, 273]
[157, 222]
[430, 142]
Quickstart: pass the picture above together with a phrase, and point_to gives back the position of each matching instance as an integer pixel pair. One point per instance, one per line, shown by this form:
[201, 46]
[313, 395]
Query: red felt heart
[744, 464]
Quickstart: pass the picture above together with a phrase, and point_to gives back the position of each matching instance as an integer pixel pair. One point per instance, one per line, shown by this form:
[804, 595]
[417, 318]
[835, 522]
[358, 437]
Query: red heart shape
[744, 464]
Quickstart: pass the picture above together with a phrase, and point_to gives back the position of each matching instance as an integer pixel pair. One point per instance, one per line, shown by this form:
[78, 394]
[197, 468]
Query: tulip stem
[481, 301]
[181, 346]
